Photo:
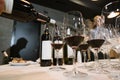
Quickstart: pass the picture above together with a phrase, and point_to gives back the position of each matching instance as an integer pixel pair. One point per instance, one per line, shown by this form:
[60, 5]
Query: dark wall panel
[30, 31]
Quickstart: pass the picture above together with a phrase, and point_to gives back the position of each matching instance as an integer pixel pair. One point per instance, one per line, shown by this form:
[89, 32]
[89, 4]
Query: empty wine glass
[57, 44]
[74, 21]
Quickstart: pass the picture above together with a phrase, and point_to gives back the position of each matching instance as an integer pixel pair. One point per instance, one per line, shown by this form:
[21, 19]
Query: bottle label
[60, 53]
[46, 50]
[8, 6]
[79, 57]
[70, 52]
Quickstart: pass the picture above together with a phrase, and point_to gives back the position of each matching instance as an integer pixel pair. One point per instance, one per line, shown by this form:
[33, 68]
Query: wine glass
[96, 40]
[57, 44]
[83, 48]
[74, 21]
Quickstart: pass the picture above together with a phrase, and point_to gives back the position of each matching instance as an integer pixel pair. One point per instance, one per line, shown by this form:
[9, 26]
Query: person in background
[89, 23]
[14, 51]
[2, 6]
[96, 32]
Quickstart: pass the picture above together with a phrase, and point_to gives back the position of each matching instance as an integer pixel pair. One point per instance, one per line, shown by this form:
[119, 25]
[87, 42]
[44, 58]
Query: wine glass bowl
[83, 47]
[96, 43]
[74, 41]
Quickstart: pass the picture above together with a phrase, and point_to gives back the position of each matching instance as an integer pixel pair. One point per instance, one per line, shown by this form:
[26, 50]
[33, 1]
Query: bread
[18, 60]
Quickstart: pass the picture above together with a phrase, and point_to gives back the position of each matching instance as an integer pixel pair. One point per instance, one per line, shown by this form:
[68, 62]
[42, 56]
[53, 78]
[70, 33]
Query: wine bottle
[5, 57]
[45, 19]
[46, 53]
[57, 38]
[68, 52]
[22, 10]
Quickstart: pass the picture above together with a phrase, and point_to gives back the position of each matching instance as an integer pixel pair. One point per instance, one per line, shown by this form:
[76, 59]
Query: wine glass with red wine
[83, 48]
[95, 44]
[57, 44]
[73, 22]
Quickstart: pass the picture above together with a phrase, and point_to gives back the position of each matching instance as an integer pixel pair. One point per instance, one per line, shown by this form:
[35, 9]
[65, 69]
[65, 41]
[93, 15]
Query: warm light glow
[113, 14]
[79, 2]
[94, 0]
[25, 1]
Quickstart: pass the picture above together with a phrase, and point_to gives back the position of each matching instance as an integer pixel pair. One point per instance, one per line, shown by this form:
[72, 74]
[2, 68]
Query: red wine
[74, 41]
[57, 46]
[83, 47]
[96, 43]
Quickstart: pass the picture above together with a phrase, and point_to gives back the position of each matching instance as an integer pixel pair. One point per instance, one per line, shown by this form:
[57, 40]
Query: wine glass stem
[57, 51]
[84, 54]
[96, 55]
[74, 61]
[96, 60]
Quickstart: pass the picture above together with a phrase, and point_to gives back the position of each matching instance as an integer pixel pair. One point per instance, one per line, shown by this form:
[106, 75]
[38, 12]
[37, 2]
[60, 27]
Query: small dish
[19, 64]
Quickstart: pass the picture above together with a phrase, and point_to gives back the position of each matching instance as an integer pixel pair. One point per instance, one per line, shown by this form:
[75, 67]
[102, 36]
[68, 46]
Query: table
[35, 72]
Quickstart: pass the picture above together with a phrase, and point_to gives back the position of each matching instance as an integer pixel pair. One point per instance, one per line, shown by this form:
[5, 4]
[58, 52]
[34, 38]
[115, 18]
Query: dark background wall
[30, 31]
[6, 26]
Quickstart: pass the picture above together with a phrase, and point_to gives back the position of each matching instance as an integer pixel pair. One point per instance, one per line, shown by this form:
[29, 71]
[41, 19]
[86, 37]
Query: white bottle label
[46, 50]
[8, 6]
[79, 57]
[60, 53]
[70, 52]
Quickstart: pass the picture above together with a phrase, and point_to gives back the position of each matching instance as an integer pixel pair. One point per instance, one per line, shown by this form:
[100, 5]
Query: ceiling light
[113, 14]
[111, 9]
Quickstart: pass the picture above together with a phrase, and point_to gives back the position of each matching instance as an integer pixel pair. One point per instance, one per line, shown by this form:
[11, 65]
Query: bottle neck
[45, 19]
[68, 32]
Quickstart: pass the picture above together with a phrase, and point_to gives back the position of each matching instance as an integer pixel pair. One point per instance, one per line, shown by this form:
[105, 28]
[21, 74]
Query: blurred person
[96, 32]
[14, 50]
[98, 26]
[89, 23]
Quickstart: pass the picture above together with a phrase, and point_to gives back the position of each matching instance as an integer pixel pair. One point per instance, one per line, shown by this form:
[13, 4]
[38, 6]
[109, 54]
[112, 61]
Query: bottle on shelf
[68, 52]
[24, 11]
[56, 38]
[46, 51]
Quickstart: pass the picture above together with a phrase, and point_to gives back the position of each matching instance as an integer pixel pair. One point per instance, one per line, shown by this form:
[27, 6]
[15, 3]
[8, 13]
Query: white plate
[19, 64]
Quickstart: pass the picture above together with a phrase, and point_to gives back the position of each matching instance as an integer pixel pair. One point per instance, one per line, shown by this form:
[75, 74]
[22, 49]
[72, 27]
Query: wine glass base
[57, 68]
[85, 67]
[76, 74]
[98, 71]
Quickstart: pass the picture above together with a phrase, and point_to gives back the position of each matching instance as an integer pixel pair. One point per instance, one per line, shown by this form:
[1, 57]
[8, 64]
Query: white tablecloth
[35, 72]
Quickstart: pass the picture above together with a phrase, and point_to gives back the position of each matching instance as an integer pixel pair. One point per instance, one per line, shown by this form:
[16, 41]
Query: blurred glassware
[74, 21]
[111, 13]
